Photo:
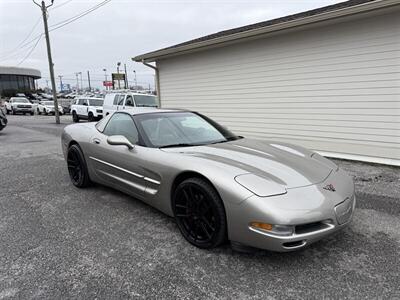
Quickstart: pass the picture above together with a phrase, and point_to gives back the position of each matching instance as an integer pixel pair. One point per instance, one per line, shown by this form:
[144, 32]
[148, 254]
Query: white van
[125, 100]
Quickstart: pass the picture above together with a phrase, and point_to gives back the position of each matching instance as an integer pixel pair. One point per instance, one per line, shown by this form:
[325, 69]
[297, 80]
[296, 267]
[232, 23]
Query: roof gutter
[360, 8]
[157, 80]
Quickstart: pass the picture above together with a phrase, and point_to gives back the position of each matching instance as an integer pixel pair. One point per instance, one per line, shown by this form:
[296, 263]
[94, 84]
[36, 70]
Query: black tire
[38, 112]
[199, 213]
[90, 117]
[7, 112]
[45, 112]
[32, 113]
[75, 117]
[77, 169]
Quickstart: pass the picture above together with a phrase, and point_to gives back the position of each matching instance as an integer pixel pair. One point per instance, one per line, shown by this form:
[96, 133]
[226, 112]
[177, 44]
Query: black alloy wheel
[77, 168]
[90, 117]
[75, 117]
[199, 213]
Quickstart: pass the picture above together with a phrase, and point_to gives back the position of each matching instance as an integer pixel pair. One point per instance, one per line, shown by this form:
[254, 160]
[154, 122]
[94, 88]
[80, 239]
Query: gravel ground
[57, 241]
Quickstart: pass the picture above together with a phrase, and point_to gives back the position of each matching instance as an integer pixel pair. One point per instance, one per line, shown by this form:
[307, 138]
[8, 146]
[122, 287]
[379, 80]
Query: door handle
[96, 141]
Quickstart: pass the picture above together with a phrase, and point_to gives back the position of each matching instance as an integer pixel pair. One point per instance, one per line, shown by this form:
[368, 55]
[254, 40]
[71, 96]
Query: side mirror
[118, 140]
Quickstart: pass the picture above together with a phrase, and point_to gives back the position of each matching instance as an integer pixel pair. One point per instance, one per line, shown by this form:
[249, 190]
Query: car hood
[285, 164]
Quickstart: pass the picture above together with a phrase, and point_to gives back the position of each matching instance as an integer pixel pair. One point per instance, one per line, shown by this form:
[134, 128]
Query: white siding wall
[334, 88]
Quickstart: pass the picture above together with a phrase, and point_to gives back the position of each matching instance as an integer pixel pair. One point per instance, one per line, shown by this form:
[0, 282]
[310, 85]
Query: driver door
[117, 165]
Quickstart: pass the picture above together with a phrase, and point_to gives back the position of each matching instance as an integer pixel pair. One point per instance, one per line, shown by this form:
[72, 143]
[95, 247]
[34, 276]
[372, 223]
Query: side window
[129, 101]
[116, 97]
[85, 102]
[121, 99]
[81, 101]
[122, 124]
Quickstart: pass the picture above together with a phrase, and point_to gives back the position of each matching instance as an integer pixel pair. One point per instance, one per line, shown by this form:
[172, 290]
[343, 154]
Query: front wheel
[38, 112]
[45, 112]
[7, 111]
[78, 172]
[199, 213]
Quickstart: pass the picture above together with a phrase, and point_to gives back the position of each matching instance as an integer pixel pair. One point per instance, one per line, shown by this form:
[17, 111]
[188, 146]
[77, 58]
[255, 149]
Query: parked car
[87, 108]
[3, 119]
[217, 185]
[126, 100]
[47, 107]
[19, 105]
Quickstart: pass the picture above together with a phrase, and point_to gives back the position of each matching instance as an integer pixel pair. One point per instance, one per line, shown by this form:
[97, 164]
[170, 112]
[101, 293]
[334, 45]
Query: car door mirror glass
[119, 140]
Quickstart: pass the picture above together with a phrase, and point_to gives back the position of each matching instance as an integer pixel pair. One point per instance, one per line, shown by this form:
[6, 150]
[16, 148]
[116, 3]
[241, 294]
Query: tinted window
[96, 102]
[116, 97]
[81, 101]
[145, 100]
[122, 124]
[164, 129]
[121, 99]
[129, 101]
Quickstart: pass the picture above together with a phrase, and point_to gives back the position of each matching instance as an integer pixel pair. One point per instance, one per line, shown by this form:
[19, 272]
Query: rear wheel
[90, 117]
[199, 213]
[45, 112]
[75, 117]
[78, 172]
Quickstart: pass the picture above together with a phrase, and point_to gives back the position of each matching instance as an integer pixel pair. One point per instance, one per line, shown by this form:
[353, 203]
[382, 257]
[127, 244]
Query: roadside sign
[107, 83]
[118, 76]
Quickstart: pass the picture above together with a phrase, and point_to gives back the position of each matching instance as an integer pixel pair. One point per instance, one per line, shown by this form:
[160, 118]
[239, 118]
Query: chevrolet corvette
[218, 186]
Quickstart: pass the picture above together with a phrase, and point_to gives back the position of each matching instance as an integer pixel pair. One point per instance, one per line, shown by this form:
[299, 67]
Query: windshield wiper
[178, 145]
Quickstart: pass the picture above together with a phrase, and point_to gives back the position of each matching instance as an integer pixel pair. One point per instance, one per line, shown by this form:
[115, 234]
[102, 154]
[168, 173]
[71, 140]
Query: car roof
[149, 110]
[130, 93]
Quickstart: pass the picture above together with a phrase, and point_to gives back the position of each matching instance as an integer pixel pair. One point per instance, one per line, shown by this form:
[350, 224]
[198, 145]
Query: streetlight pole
[119, 85]
[80, 73]
[126, 78]
[61, 84]
[134, 71]
[105, 77]
[43, 7]
[77, 81]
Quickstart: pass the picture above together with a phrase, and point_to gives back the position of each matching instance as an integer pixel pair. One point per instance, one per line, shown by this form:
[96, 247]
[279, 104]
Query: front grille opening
[293, 244]
[310, 227]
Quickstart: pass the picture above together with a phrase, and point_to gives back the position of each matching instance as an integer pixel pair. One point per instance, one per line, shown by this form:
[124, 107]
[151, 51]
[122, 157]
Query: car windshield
[180, 129]
[96, 102]
[21, 100]
[145, 100]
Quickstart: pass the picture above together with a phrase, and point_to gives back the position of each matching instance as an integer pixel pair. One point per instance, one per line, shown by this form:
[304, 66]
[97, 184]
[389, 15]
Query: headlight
[260, 186]
[281, 230]
[325, 161]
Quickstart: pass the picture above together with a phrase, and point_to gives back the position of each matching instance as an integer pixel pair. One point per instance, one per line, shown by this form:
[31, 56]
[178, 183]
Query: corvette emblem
[329, 187]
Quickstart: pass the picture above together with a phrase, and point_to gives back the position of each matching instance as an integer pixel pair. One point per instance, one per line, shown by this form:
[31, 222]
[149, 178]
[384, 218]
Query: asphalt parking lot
[57, 241]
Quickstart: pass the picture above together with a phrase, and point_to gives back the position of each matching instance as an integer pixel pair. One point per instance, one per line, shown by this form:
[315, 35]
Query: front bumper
[313, 211]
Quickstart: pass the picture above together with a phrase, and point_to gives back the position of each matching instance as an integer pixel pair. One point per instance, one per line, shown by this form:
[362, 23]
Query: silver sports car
[218, 186]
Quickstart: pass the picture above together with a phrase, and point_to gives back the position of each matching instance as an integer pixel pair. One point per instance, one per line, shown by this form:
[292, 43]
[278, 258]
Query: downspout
[157, 80]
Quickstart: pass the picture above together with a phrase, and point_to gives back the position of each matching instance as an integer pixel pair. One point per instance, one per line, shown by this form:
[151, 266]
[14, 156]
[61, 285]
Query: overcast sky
[122, 29]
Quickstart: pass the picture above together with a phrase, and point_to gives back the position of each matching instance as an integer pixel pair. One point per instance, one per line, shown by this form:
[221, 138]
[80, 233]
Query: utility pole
[126, 78]
[61, 84]
[43, 7]
[88, 77]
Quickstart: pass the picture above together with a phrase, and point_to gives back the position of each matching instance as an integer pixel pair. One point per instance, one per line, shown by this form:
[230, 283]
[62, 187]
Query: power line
[55, 27]
[31, 50]
[82, 14]
[60, 5]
